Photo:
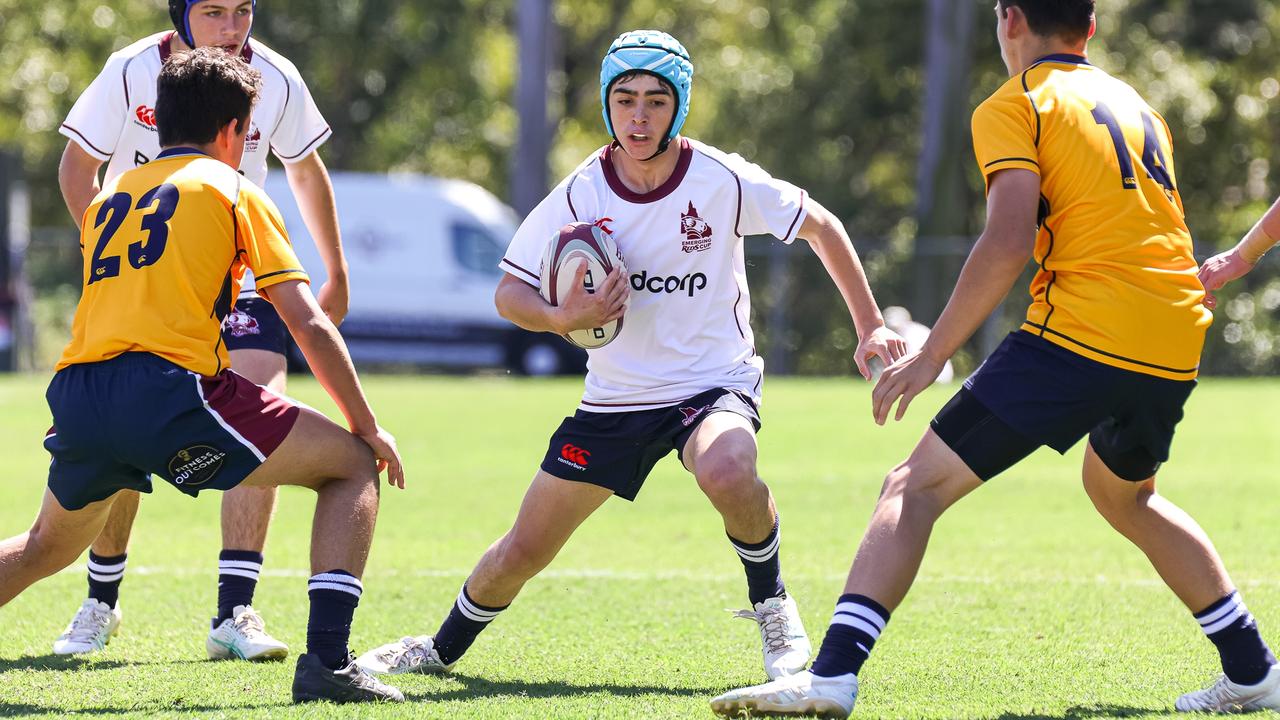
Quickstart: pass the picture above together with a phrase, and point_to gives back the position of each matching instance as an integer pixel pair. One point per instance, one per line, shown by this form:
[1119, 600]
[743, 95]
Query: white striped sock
[101, 572]
[336, 581]
[240, 568]
[474, 612]
[759, 555]
[1225, 616]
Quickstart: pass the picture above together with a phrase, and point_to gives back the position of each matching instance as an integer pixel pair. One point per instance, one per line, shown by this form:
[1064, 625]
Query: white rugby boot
[1224, 696]
[244, 636]
[406, 655]
[786, 645]
[90, 630]
[800, 694]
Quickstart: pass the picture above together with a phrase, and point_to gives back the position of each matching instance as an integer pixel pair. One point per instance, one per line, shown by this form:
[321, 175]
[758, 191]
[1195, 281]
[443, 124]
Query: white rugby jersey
[114, 118]
[687, 327]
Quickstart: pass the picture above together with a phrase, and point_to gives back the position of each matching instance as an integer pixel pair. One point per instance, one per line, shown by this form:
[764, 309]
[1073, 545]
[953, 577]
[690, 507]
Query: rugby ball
[575, 244]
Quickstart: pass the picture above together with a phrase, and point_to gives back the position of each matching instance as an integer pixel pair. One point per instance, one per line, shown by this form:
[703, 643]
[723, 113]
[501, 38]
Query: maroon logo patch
[696, 231]
[253, 138]
[240, 324]
[691, 414]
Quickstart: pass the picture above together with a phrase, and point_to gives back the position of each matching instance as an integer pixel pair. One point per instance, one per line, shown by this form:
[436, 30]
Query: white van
[423, 255]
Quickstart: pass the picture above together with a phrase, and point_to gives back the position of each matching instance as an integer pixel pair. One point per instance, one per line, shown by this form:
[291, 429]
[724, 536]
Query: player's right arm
[523, 305]
[92, 129]
[265, 249]
[994, 264]
[78, 179]
[330, 362]
[1235, 263]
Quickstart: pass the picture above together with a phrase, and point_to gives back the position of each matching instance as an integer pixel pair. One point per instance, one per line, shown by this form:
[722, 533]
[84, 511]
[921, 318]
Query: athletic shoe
[313, 681]
[801, 694]
[245, 637]
[406, 655]
[1224, 696]
[786, 645]
[90, 630]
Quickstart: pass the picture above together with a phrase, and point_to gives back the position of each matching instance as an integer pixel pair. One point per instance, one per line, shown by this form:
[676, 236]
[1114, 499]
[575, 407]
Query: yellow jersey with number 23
[165, 248]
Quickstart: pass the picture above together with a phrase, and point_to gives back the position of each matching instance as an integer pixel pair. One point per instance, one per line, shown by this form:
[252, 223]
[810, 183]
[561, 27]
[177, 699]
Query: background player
[113, 121]
[143, 388]
[1110, 349]
[1235, 263]
[683, 374]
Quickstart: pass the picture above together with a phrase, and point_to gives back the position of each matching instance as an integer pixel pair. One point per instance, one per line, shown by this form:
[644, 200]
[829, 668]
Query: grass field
[1028, 605]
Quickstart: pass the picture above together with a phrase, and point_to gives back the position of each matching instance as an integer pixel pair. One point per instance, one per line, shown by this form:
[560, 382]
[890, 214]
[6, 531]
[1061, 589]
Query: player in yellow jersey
[144, 388]
[1080, 179]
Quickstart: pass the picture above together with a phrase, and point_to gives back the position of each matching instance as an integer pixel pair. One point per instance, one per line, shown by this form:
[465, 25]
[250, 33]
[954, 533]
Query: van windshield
[476, 249]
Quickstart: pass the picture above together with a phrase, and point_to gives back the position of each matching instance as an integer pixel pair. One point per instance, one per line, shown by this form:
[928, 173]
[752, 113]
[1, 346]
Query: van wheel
[540, 359]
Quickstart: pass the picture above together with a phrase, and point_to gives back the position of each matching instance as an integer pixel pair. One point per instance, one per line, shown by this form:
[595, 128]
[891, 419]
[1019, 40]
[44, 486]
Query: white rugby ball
[575, 244]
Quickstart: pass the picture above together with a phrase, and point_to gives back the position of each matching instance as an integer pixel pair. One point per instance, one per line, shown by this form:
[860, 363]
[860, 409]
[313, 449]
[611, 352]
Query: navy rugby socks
[238, 572]
[460, 628]
[855, 627]
[105, 574]
[1231, 628]
[764, 569]
[334, 597]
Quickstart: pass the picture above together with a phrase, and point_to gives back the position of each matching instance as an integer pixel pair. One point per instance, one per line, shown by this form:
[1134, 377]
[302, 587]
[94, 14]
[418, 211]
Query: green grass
[1028, 605]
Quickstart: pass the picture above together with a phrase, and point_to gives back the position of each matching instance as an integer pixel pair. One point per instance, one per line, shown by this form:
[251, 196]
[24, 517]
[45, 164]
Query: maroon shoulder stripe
[86, 140]
[517, 267]
[803, 196]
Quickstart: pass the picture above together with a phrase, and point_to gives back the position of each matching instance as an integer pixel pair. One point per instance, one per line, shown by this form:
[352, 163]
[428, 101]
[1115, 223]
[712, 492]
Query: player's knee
[1116, 500]
[727, 475]
[520, 557]
[46, 553]
[914, 490]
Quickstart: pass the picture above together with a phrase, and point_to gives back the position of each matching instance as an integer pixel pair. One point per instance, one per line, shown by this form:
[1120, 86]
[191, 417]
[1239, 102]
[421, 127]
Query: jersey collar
[663, 190]
[1067, 58]
[180, 151]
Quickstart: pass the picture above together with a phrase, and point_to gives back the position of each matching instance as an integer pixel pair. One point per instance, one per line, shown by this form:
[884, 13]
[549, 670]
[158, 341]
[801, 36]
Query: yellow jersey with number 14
[165, 248]
[1117, 278]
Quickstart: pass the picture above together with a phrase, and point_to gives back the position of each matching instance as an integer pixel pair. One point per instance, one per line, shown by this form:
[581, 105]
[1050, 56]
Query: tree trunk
[942, 214]
[530, 170]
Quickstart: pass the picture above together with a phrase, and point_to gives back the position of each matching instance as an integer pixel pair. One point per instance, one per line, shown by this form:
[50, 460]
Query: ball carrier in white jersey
[113, 122]
[683, 373]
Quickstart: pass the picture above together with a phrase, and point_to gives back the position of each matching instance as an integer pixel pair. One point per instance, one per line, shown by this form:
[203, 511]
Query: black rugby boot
[313, 681]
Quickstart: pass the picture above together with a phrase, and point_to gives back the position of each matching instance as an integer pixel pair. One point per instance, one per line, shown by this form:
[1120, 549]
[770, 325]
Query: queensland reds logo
[146, 116]
[240, 324]
[696, 231]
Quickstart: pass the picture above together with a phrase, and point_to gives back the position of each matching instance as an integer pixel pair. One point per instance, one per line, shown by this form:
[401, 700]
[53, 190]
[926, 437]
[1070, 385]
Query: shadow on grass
[476, 687]
[20, 709]
[73, 662]
[1087, 712]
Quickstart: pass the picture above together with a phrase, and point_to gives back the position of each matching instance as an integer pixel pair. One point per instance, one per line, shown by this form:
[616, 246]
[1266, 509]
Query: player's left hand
[882, 343]
[334, 297]
[904, 379]
[1219, 270]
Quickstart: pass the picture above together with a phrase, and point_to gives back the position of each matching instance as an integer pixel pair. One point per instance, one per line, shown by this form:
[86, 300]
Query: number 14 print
[1152, 154]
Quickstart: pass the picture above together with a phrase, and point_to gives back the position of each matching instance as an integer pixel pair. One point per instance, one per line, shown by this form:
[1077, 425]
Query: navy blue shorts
[254, 324]
[118, 421]
[1031, 392]
[617, 451]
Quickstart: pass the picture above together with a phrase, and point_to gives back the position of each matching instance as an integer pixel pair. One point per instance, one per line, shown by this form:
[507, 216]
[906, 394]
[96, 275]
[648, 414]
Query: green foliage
[825, 93]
